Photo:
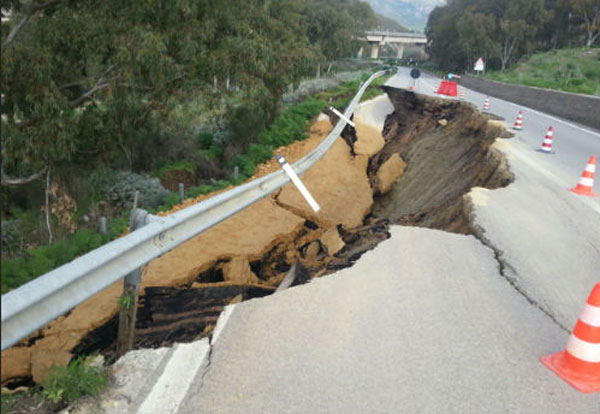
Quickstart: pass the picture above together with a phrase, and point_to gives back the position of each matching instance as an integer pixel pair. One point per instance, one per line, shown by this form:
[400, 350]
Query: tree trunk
[48, 226]
[591, 38]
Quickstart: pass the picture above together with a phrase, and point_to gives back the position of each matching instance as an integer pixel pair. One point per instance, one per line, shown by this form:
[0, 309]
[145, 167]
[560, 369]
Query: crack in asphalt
[477, 232]
[208, 360]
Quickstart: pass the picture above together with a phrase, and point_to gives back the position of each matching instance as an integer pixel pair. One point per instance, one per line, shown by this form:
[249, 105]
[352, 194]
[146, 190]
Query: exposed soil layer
[446, 146]
[430, 154]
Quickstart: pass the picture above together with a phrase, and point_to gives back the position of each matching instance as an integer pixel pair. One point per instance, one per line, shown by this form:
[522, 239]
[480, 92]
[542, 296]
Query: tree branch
[75, 103]
[22, 180]
[19, 26]
[47, 200]
[100, 84]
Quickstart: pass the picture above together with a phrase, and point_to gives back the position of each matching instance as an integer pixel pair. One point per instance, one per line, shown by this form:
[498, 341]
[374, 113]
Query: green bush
[184, 165]
[40, 260]
[171, 200]
[245, 164]
[68, 383]
[117, 226]
[122, 192]
[194, 192]
[204, 140]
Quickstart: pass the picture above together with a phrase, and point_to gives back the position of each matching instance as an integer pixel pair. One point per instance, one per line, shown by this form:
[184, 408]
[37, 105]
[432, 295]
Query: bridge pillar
[374, 50]
[400, 51]
[359, 54]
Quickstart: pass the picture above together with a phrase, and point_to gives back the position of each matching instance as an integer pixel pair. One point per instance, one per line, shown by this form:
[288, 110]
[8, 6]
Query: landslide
[430, 154]
[447, 147]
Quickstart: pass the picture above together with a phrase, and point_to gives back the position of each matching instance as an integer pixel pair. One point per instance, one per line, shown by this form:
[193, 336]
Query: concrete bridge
[398, 39]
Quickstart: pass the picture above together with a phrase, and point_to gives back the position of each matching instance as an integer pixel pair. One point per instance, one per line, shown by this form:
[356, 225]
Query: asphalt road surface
[424, 323]
[548, 238]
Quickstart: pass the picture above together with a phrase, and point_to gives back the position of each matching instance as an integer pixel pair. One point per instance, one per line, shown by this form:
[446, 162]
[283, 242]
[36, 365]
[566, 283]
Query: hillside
[388, 24]
[571, 70]
[410, 13]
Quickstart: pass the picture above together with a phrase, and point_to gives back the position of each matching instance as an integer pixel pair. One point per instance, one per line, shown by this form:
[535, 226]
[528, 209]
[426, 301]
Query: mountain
[410, 13]
[387, 24]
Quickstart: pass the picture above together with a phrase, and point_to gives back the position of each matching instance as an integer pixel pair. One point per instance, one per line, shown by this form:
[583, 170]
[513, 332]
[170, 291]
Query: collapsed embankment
[430, 154]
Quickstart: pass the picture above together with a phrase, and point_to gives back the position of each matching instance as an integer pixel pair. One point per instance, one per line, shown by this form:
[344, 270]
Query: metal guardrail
[35, 304]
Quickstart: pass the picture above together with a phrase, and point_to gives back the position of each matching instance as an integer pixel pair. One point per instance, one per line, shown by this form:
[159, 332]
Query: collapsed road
[424, 297]
[440, 150]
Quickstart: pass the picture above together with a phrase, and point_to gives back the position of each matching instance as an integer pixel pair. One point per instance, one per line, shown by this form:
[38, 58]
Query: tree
[589, 12]
[505, 29]
[475, 36]
[89, 84]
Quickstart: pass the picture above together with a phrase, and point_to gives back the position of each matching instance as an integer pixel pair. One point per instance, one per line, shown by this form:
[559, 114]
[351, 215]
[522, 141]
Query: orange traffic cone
[519, 121]
[586, 182]
[547, 142]
[486, 104]
[579, 363]
[462, 94]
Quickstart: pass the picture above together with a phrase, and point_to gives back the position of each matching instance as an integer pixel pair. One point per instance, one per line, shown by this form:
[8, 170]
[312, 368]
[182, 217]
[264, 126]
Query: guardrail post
[181, 193]
[103, 227]
[129, 299]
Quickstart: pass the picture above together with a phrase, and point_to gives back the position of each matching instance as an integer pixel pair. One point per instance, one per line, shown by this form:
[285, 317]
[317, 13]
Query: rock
[369, 140]
[499, 128]
[41, 362]
[95, 361]
[390, 172]
[332, 241]
[238, 270]
[443, 122]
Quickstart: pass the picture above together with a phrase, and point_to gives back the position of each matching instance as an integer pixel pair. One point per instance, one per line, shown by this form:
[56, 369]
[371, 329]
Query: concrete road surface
[422, 324]
[548, 238]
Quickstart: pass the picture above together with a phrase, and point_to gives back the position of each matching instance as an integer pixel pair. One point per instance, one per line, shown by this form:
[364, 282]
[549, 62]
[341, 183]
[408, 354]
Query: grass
[574, 70]
[341, 96]
[76, 380]
[64, 385]
[42, 259]
[184, 165]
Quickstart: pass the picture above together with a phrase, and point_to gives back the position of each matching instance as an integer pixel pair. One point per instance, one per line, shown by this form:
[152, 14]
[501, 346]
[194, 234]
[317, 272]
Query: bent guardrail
[35, 304]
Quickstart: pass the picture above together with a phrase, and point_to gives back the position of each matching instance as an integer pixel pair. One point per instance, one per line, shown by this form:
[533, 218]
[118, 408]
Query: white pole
[296, 180]
[338, 113]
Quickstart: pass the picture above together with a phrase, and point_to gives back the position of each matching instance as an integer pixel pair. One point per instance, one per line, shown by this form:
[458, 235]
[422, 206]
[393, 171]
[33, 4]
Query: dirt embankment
[430, 154]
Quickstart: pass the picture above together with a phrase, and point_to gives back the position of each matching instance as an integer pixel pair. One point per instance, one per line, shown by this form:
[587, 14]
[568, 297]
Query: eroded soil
[430, 154]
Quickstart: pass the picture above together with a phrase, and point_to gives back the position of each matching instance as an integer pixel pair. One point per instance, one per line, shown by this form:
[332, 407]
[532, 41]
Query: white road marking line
[172, 386]
[221, 322]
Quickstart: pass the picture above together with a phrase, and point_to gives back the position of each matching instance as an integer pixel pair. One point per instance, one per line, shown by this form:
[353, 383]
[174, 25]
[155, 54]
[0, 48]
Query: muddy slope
[446, 145]
[426, 165]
